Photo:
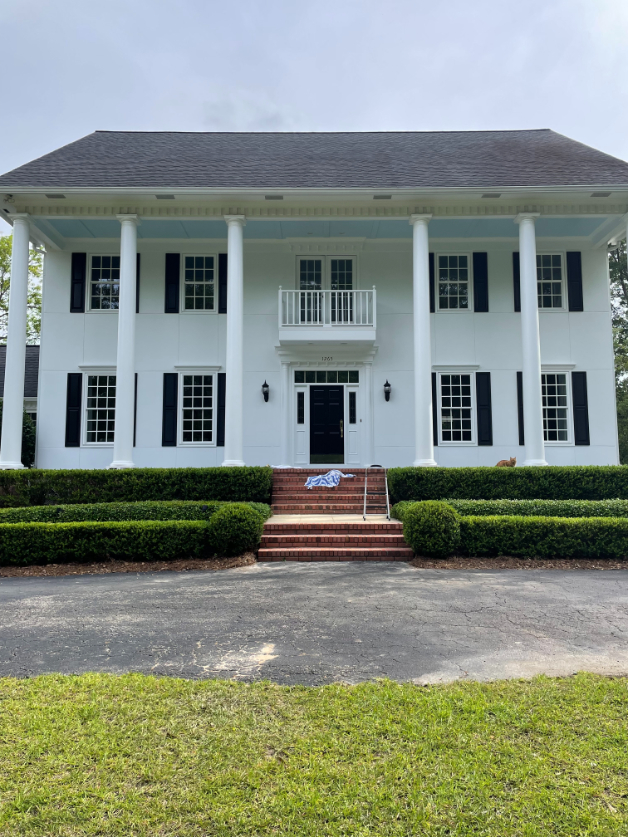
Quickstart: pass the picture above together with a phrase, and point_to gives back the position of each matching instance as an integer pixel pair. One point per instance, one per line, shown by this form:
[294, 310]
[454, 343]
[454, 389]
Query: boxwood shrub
[536, 508]
[149, 510]
[589, 482]
[235, 528]
[432, 529]
[43, 487]
[545, 537]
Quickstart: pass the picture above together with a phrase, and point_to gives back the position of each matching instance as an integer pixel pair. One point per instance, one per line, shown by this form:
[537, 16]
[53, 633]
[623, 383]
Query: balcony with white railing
[324, 316]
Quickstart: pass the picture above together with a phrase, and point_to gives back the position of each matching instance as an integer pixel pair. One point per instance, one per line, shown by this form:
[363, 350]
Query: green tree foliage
[619, 304]
[35, 265]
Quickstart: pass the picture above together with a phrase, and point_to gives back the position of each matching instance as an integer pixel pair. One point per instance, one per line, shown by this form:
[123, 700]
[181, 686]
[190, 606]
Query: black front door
[327, 443]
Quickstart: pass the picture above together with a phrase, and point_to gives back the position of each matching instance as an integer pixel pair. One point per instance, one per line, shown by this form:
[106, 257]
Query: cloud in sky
[71, 67]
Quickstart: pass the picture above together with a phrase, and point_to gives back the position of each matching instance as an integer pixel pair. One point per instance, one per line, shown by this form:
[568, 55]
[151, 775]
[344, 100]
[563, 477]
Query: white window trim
[204, 311]
[195, 370]
[326, 268]
[102, 370]
[88, 288]
[456, 311]
[474, 435]
[560, 370]
[563, 288]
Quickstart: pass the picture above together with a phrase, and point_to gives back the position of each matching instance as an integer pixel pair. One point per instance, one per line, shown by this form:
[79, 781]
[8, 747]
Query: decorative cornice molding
[287, 213]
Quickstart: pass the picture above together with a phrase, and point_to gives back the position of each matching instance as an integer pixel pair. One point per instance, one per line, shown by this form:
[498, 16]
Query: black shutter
[432, 290]
[173, 267]
[135, 411]
[73, 410]
[483, 402]
[137, 284]
[574, 282]
[220, 418]
[222, 283]
[169, 420]
[434, 410]
[522, 438]
[516, 281]
[77, 283]
[480, 282]
[580, 408]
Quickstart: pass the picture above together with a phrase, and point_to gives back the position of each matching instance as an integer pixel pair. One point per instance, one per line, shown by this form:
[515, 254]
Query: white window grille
[456, 408]
[549, 275]
[104, 283]
[555, 407]
[100, 409]
[199, 283]
[197, 409]
[453, 283]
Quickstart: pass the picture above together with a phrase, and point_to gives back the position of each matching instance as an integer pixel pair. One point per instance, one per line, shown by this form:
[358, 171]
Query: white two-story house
[317, 299]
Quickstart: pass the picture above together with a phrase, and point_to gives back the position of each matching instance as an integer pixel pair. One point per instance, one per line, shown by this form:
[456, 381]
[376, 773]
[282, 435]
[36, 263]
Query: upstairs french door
[326, 276]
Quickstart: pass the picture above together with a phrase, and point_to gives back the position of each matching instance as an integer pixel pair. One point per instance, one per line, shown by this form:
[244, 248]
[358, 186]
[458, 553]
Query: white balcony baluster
[327, 308]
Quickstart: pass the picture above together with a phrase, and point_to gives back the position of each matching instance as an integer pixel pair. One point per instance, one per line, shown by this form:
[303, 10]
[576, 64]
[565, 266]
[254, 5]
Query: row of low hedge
[435, 529]
[148, 510]
[234, 529]
[42, 487]
[548, 483]
[527, 508]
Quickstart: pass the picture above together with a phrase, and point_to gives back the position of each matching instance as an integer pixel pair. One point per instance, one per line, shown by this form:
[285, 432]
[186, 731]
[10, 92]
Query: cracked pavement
[314, 623]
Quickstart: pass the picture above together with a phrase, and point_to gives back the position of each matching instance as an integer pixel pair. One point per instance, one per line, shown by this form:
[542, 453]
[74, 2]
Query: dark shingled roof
[32, 371]
[386, 160]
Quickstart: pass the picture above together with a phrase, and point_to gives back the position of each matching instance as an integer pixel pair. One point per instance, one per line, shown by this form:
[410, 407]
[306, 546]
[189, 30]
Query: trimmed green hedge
[41, 487]
[552, 483]
[526, 508]
[524, 536]
[133, 540]
[150, 510]
[545, 537]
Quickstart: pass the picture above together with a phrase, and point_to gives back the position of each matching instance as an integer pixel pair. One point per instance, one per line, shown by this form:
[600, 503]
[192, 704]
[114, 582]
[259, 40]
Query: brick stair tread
[334, 537]
[313, 526]
[335, 554]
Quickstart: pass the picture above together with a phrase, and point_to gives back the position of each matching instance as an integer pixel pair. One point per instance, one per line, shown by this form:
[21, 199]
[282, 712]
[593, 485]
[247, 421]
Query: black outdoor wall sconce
[387, 389]
[265, 390]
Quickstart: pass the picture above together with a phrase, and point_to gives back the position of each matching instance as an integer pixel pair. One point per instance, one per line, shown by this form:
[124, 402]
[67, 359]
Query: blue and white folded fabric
[329, 480]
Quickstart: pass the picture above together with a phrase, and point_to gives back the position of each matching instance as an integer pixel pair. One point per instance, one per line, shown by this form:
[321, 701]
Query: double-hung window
[100, 409]
[199, 283]
[456, 396]
[555, 392]
[453, 283]
[197, 404]
[104, 283]
[549, 275]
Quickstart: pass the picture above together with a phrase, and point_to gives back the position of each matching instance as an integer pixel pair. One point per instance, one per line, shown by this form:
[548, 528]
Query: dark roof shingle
[121, 159]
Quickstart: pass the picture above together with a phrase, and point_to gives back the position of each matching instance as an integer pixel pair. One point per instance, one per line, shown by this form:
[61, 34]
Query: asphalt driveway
[318, 623]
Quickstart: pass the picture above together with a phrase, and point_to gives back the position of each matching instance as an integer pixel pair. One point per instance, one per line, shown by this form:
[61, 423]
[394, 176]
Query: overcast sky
[72, 66]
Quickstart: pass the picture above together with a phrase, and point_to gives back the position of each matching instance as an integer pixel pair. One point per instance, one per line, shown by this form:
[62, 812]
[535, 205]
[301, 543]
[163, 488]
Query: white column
[424, 439]
[13, 401]
[286, 424]
[125, 363]
[368, 415]
[235, 336]
[531, 343]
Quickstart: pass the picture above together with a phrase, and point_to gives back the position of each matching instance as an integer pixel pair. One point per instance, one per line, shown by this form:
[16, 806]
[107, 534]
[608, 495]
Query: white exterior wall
[492, 341]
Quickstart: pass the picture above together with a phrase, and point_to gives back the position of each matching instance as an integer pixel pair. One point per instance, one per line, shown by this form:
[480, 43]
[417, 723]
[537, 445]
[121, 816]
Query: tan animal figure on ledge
[507, 463]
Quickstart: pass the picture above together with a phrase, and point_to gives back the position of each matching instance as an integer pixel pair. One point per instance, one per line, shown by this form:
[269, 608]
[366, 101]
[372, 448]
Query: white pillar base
[232, 463]
[424, 463]
[534, 462]
[121, 463]
[11, 466]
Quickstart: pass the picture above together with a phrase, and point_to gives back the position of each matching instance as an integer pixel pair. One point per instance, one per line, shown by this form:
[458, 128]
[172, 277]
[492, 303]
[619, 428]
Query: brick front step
[337, 554]
[330, 526]
[329, 540]
[325, 508]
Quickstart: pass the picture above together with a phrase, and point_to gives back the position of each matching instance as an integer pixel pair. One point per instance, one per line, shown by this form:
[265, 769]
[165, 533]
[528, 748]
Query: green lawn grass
[135, 755]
